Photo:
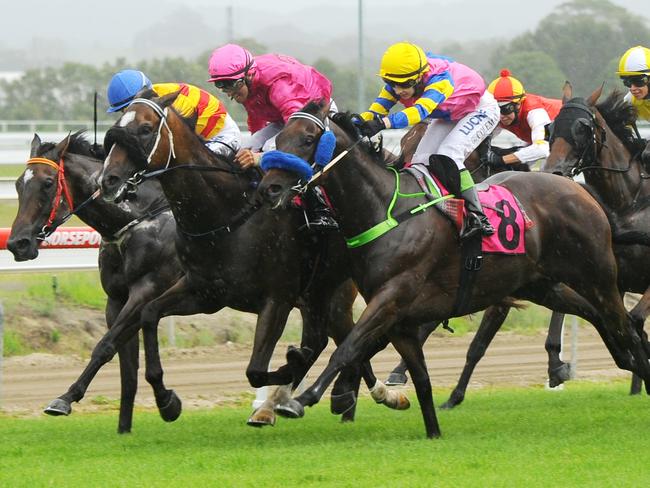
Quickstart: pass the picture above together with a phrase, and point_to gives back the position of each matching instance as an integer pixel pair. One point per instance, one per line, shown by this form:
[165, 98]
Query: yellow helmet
[635, 61]
[403, 62]
[507, 88]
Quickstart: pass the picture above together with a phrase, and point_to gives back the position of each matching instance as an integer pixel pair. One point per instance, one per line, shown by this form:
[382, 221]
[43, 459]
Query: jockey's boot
[477, 221]
[319, 213]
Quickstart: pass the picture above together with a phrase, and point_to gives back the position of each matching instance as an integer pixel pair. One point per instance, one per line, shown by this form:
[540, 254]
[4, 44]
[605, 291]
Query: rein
[62, 191]
[131, 184]
[391, 221]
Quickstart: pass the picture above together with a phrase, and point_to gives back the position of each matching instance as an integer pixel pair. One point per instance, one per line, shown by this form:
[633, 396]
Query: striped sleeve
[382, 104]
[438, 89]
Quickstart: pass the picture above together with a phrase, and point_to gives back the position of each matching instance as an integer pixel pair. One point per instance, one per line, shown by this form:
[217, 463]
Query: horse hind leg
[398, 377]
[558, 370]
[492, 321]
[407, 344]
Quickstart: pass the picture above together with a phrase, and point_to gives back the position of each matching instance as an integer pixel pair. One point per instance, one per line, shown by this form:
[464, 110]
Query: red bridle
[61, 189]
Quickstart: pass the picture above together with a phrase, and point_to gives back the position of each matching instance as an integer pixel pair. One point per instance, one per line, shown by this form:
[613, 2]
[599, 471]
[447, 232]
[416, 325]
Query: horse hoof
[57, 407]
[172, 408]
[396, 379]
[261, 417]
[339, 404]
[396, 400]
[292, 409]
[454, 401]
[559, 375]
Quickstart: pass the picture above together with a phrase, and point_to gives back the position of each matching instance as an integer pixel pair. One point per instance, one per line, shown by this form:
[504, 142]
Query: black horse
[597, 140]
[136, 238]
[234, 253]
[410, 275]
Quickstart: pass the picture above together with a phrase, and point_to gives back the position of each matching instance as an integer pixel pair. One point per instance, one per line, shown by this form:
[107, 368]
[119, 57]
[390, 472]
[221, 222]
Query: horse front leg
[640, 309]
[180, 299]
[270, 324]
[129, 363]
[377, 318]
[491, 322]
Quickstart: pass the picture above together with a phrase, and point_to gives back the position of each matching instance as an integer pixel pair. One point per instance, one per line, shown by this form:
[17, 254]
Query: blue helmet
[124, 86]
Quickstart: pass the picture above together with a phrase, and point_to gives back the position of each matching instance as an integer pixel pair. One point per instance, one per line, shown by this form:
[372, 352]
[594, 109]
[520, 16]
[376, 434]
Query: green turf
[588, 435]
[11, 170]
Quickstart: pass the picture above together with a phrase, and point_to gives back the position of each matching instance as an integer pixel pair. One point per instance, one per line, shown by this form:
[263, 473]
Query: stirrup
[475, 224]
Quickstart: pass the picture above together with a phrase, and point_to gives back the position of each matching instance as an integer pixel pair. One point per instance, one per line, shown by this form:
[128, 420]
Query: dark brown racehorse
[597, 140]
[495, 315]
[233, 253]
[409, 275]
[136, 238]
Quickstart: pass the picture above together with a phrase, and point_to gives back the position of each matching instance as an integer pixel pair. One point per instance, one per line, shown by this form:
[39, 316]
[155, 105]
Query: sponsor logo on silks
[75, 238]
[474, 121]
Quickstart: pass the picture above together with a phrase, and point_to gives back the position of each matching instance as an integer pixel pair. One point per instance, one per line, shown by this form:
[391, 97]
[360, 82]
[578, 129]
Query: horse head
[576, 135]
[45, 198]
[141, 140]
[305, 145]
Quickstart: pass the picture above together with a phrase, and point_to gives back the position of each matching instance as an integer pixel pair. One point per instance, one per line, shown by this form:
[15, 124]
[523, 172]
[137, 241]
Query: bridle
[62, 191]
[589, 148]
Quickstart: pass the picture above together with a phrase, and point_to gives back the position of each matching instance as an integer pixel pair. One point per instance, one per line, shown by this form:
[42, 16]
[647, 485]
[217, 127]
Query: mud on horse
[234, 253]
[409, 275]
[137, 258]
[597, 139]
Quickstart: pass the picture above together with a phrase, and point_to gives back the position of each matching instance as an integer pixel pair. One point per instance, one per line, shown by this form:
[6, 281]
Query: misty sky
[48, 32]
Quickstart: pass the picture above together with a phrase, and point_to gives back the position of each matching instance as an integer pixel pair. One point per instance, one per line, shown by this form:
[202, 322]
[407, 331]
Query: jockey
[271, 87]
[447, 95]
[634, 71]
[213, 123]
[526, 116]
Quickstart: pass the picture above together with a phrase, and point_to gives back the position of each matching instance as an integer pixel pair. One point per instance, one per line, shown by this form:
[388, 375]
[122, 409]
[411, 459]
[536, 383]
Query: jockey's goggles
[401, 84]
[228, 85]
[638, 81]
[508, 108]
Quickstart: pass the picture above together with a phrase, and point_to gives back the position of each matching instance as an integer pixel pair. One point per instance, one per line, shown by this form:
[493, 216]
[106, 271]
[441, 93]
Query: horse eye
[48, 183]
[309, 140]
[145, 130]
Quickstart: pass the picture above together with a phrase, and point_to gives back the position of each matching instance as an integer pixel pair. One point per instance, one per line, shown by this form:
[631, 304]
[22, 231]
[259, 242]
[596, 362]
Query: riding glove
[494, 160]
[372, 127]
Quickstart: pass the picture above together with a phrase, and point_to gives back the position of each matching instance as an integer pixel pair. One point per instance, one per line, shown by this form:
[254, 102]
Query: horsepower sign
[63, 238]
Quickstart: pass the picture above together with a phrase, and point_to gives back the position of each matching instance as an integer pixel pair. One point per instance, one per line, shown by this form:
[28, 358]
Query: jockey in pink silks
[271, 87]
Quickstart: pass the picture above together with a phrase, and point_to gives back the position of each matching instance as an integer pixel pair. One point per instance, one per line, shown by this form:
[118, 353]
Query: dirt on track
[204, 377]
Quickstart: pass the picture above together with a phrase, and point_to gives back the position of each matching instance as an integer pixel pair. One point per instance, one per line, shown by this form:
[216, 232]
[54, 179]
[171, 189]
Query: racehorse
[136, 238]
[597, 140]
[409, 275]
[495, 315]
[235, 253]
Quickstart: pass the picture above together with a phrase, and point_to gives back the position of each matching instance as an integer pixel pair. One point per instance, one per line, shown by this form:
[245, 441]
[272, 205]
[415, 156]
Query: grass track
[588, 435]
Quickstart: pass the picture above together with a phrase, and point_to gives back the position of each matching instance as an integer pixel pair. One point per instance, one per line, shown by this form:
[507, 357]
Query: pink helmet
[230, 62]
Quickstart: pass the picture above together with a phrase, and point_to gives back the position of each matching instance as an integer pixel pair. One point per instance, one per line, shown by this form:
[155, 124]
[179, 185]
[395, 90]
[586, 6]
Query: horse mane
[345, 121]
[620, 117]
[78, 145]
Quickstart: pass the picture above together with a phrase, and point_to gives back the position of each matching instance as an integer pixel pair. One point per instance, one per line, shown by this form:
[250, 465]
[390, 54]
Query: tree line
[581, 41]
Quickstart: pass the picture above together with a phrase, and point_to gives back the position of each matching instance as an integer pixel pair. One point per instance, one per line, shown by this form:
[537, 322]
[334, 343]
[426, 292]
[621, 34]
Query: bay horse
[235, 253]
[137, 237]
[409, 275]
[495, 315]
[596, 139]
